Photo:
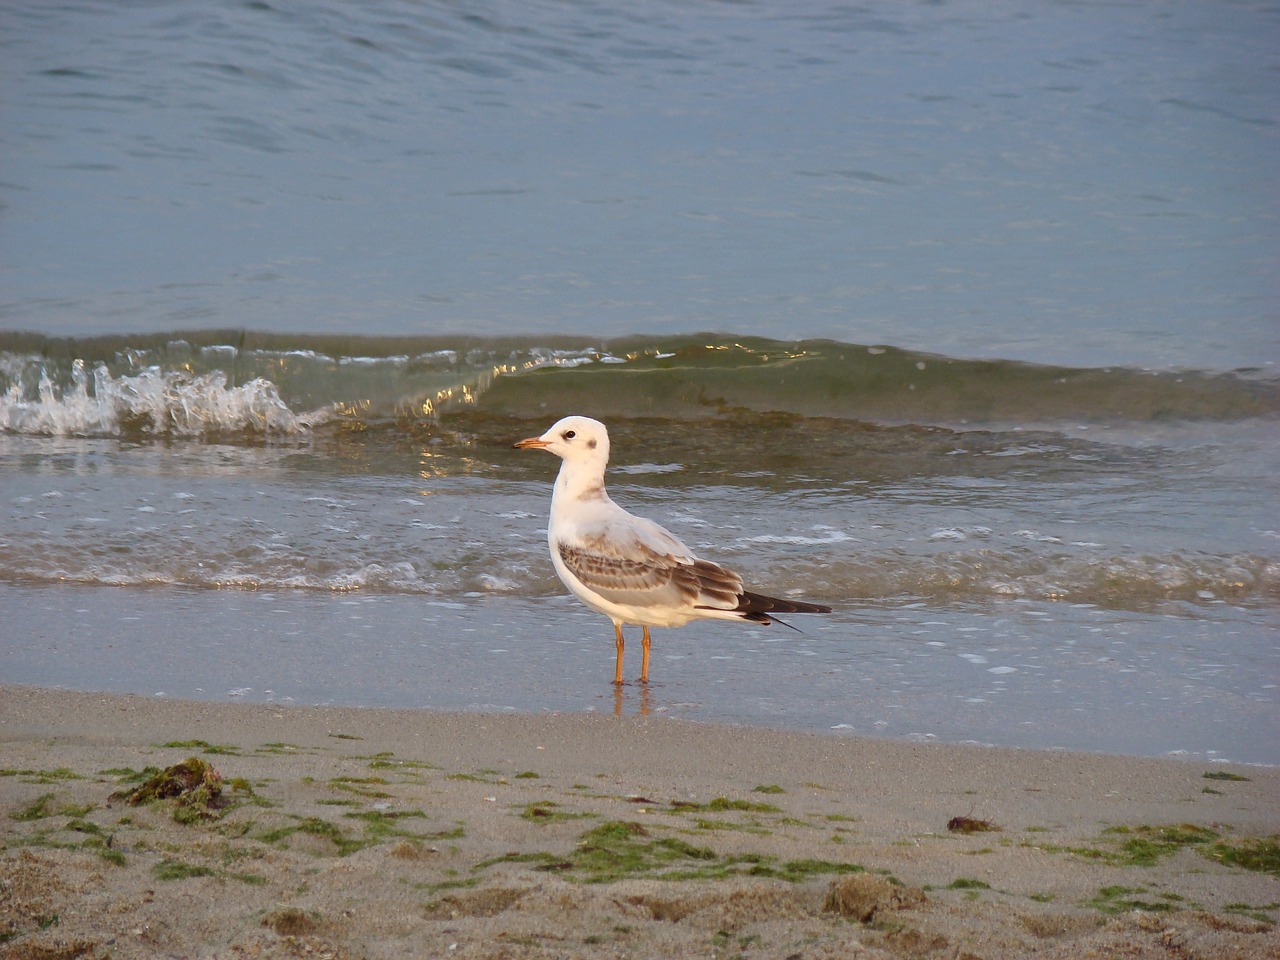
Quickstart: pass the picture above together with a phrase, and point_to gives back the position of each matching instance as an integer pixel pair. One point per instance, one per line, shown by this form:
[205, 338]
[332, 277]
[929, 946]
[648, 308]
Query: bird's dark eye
[568, 434]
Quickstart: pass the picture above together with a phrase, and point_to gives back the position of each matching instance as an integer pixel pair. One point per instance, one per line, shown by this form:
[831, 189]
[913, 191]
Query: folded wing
[635, 574]
[647, 567]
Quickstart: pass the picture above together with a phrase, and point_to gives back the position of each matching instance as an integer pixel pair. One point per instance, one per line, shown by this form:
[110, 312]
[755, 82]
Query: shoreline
[847, 677]
[371, 832]
[626, 711]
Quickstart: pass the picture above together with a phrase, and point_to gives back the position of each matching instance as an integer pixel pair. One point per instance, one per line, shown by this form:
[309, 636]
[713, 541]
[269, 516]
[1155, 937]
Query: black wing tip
[767, 620]
[757, 608]
[757, 603]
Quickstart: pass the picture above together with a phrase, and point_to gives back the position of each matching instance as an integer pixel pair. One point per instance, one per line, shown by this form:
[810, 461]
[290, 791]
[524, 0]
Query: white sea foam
[830, 536]
[638, 468]
[174, 402]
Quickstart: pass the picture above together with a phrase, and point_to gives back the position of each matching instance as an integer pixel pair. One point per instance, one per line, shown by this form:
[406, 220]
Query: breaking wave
[198, 384]
[155, 401]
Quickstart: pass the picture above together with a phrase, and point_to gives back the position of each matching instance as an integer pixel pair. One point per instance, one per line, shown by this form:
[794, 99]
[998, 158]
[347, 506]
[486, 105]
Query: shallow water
[1005, 586]
[1016, 672]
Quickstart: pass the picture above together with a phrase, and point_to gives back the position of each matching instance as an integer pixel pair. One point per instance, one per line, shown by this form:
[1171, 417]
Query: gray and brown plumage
[628, 568]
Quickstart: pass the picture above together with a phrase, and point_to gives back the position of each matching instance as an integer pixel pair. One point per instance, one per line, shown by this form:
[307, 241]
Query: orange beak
[532, 443]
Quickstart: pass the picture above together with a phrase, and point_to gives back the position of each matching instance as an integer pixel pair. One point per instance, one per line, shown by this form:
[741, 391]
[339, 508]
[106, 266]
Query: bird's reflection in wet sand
[644, 701]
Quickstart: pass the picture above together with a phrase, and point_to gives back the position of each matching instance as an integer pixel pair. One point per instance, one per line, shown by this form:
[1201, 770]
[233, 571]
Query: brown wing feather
[614, 575]
[646, 574]
[716, 587]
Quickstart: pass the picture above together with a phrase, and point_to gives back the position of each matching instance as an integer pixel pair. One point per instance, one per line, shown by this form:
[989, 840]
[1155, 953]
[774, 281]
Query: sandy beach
[387, 834]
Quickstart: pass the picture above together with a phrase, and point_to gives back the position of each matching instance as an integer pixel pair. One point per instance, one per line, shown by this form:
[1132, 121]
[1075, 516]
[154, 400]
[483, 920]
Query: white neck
[578, 480]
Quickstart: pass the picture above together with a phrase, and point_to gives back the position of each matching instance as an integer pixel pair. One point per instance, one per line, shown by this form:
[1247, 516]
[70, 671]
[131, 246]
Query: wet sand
[392, 833]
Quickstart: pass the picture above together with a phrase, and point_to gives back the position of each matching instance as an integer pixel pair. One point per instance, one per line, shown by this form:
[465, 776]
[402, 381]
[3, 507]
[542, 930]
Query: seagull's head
[573, 439]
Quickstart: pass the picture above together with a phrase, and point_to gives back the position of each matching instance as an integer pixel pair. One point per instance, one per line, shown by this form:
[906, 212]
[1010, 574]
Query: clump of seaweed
[620, 849]
[290, 922]
[1144, 845]
[866, 898]
[1261, 854]
[723, 805]
[194, 784]
[548, 812]
[971, 825]
[1115, 899]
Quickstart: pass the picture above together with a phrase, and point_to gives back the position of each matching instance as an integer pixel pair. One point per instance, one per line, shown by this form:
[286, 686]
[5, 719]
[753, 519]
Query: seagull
[629, 568]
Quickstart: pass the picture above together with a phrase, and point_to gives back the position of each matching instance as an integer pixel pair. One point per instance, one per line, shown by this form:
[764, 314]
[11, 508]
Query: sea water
[991, 370]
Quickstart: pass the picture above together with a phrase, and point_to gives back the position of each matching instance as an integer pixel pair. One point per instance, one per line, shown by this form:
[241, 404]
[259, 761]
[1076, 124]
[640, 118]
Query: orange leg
[644, 664]
[620, 643]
